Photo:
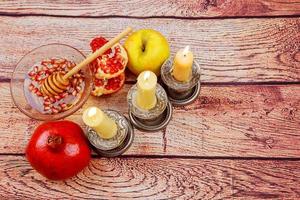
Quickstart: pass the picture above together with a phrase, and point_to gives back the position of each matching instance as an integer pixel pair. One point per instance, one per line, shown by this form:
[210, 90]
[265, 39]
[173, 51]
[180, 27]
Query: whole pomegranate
[58, 150]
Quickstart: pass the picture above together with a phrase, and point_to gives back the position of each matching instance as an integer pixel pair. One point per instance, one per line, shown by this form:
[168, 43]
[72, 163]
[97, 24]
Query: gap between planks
[95, 156]
[146, 17]
[160, 9]
[131, 79]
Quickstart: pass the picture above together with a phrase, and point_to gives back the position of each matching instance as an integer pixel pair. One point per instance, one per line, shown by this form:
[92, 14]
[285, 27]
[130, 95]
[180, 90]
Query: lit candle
[96, 119]
[146, 90]
[183, 62]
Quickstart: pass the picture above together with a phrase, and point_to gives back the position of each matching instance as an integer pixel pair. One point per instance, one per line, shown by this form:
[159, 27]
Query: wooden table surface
[239, 140]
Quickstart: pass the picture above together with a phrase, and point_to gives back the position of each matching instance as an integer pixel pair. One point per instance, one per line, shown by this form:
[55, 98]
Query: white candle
[146, 90]
[96, 119]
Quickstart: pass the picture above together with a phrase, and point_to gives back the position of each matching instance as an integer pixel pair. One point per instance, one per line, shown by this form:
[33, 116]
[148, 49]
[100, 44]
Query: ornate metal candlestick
[181, 93]
[119, 143]
[153, 119]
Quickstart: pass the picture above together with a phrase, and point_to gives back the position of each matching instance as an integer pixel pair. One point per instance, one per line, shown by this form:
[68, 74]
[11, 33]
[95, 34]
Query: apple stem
[54, 141]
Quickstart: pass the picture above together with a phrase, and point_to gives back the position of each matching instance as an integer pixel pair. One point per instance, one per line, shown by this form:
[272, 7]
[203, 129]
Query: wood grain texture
[16, 128]
[230, 50]
[234, 121]
[147, 8]
[139, 178]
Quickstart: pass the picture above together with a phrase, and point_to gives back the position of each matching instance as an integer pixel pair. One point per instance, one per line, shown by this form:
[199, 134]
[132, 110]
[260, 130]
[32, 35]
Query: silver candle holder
[181, 93]
[150, 120]
[119, 143]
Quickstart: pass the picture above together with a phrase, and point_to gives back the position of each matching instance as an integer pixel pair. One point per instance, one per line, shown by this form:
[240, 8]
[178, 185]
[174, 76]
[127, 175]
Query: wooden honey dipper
[58, 82]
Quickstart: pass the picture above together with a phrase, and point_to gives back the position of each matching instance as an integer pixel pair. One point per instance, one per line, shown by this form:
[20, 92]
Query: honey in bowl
[55, 103]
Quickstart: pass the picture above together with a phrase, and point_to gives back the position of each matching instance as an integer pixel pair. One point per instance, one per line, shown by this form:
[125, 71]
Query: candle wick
[147, 76]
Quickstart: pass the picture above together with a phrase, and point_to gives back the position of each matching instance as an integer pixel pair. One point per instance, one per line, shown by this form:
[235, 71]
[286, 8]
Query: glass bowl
[37, 55]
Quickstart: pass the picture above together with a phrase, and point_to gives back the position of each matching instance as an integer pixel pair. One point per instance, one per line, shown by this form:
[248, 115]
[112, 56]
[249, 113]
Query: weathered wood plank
[240, 121]
[231, 50]
[250, 120]
[146, 8]
[140, 178]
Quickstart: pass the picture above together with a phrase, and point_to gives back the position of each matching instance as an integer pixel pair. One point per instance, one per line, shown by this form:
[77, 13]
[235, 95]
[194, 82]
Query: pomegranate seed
[35, 90]
[69, 66]
[63, 105]
[57, 97]
[54, 110]
[31, 87]
[47, 103]
[74, 82]
[35, 69]
[73, 64]
[78, 88]
[38, 78]
[41, 72]
[45, 68]
[74, 93]
[32, 73]
[55, 65]
[63, 95]
[64, 66]
[39, 94]
[46, 108]
[46, 98]
[52, 100]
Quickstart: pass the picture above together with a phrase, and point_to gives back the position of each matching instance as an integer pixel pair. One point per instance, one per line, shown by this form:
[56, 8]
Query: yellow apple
[147, 49]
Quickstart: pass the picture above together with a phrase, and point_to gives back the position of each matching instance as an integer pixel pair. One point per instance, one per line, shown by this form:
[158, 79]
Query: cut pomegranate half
[108, 86]
[112, 63]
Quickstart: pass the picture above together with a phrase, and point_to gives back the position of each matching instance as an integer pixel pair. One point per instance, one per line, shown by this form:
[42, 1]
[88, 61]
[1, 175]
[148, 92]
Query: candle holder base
[180, 93]
[155, 124]
[183, 98]
[119, 143]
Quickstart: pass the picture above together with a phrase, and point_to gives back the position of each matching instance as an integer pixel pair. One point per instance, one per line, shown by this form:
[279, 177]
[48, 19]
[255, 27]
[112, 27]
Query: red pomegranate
[58, 150]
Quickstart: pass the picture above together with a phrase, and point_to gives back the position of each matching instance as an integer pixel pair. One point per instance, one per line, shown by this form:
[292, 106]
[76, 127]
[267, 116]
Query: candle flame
[147, 75]
[92, 111]
[186, 50]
